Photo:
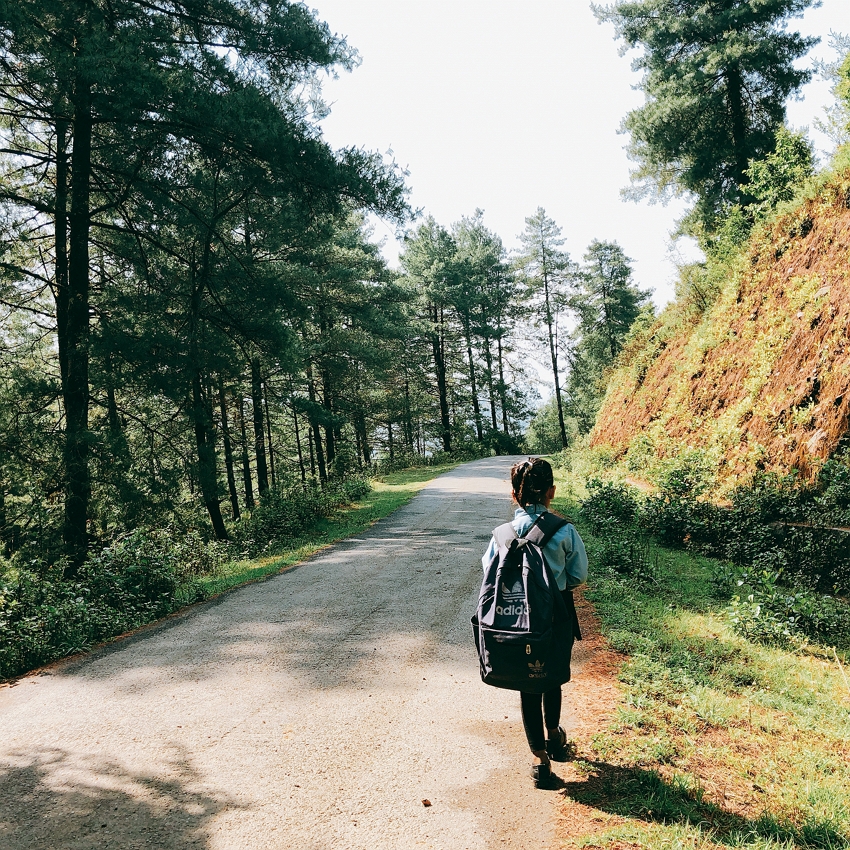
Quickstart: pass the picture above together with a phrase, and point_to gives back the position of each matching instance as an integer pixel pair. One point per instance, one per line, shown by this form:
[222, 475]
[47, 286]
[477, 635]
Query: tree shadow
[357, 608]
[51, 799]
[643, 794]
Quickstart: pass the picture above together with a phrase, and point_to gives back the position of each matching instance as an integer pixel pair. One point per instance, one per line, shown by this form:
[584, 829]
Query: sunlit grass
[717, 741]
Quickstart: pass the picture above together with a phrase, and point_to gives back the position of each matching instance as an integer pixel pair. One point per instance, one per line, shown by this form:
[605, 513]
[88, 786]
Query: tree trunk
[314, 430]
[503, 392]
[201, 407]
[358, 447]
[298, 442]
[735, 101]
[408, 418]
[608, 319]
[476, 408]
[207, 472]
[6, 533]
[330, 440]
[442, 390]
[259, 438]
[60, 237]
[553, 353]
[364, 441]
[390, 440]
[312, 451]
[269, 433]
[76, 343]
[119, 460]
[491, 390]
[246, 460]
[228, 451]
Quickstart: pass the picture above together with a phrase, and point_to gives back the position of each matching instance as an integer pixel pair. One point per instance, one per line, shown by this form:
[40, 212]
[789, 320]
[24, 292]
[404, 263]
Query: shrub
[687, 475]
[608, 503]
[767, 607]
[287, 512]
[779, 576]
[627, 554]
[139, 578]
[400, 461]
[611, 510]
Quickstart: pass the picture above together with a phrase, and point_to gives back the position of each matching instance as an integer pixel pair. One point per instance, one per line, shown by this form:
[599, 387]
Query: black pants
[537, 706]
[534, 707]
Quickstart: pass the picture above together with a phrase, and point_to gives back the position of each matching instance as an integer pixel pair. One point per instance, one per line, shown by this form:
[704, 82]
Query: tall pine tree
[546, 270]
[717, 75]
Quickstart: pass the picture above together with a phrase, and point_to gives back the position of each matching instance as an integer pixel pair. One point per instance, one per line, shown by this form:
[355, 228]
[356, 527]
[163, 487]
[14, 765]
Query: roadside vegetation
[731, 730]
[146, 575]
[713, 486]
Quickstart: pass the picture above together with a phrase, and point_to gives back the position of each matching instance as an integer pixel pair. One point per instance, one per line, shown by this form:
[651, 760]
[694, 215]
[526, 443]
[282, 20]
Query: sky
[508, 106]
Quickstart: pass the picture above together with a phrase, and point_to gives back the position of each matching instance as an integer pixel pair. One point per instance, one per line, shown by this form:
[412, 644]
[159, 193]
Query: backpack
[523, 630]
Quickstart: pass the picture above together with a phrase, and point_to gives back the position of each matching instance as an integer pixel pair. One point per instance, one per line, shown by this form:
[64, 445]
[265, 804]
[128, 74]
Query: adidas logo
[536, 671]
[515, 593]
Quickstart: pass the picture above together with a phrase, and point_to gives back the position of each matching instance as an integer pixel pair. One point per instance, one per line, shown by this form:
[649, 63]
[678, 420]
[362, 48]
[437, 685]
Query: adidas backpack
[523, 631]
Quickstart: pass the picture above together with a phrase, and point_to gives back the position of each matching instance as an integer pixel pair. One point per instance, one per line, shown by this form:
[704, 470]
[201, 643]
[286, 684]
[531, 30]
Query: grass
[716, 741]
[389, 492]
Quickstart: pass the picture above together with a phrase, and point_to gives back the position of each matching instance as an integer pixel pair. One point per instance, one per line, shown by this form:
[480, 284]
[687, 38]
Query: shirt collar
[533, 511]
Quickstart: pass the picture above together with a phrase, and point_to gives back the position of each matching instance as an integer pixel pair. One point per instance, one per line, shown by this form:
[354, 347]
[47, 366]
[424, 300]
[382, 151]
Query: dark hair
[531, 480]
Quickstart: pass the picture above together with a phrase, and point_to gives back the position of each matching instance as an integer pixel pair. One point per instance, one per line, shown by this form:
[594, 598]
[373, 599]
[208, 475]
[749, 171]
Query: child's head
[532, 480]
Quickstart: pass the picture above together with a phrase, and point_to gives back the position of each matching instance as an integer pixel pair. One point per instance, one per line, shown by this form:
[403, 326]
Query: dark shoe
[541, 774]
[558, 748]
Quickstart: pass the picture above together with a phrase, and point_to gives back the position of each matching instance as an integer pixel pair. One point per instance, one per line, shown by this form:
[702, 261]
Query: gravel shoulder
[314, 710]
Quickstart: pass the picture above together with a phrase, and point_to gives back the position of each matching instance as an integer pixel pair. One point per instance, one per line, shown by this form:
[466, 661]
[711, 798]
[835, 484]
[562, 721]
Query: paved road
[315, 710]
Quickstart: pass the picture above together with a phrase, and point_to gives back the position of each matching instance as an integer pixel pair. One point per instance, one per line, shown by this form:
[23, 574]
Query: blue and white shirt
[564, 552]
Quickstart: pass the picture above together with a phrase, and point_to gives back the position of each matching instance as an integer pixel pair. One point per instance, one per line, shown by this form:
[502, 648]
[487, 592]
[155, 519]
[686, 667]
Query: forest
[202, 342]
[194, 311]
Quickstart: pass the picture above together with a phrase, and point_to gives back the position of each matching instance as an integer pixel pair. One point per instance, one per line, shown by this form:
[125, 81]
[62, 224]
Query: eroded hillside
[761, 380]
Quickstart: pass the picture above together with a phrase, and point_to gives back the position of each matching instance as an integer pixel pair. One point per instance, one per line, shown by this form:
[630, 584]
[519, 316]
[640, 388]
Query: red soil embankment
[763, 377]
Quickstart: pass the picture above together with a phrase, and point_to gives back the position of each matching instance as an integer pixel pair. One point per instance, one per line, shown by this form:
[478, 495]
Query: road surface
[315, 710]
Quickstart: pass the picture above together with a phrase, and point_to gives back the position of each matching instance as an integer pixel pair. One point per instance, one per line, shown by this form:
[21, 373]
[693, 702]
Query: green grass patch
[389, 492]
[718, 741]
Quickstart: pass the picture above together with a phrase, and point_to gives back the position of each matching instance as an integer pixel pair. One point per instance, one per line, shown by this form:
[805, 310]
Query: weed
[720, 739]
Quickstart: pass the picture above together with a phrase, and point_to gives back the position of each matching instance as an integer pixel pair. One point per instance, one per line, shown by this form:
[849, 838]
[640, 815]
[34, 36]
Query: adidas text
[512, 610]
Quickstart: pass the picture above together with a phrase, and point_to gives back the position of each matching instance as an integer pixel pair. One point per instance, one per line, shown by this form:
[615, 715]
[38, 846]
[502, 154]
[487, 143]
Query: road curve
[315, 710]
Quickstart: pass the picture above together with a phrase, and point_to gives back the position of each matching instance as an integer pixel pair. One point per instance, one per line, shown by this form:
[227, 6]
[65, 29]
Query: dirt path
[316, 710]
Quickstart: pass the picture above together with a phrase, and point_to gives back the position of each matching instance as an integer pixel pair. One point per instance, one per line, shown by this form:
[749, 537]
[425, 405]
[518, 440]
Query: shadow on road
[346, 616]
[49, 799]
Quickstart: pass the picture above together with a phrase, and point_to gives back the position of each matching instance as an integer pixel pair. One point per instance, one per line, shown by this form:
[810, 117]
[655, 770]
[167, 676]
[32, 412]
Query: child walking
[533, 488]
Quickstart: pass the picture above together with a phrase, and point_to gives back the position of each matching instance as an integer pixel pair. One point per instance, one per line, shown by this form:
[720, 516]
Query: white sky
[508, 106]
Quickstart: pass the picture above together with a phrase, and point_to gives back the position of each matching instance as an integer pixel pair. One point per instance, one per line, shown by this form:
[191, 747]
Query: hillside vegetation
[749, 369]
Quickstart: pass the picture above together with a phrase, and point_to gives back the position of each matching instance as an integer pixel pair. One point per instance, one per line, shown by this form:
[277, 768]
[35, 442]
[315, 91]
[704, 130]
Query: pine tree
[105, 104]
[546, 271]
[717, 75]
[606, 302]
[480, 295]
[428, 261]
[835, 124]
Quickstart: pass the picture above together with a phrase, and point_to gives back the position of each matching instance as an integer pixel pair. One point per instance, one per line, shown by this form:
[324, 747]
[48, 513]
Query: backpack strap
[544, 528]
[541, 532]
[504, 534]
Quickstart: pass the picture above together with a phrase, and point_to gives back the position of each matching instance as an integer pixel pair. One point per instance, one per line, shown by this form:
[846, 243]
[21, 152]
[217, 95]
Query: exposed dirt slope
[761, 379]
